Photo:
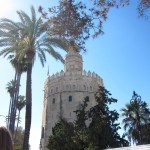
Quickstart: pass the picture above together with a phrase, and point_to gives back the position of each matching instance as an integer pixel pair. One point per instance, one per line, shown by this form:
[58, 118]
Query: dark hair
[5, 139]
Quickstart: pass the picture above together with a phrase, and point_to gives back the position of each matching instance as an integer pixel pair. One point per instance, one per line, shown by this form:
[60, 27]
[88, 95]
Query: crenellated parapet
[83, 74]
[73, 81]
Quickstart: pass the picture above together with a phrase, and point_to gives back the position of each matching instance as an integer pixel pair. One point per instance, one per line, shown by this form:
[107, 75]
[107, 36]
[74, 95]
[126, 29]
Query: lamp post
[135, 98]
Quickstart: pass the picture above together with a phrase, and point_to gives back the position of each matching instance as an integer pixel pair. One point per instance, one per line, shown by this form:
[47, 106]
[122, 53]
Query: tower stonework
[65, 91]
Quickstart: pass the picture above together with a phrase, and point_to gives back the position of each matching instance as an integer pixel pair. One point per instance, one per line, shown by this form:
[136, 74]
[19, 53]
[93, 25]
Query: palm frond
[24, 17]
[54, 54]
[58, 42]
[21, 102]
[8, 34]
[40, 28]
[41, 59]
[41, 55]
[7, 41]
[6, 51]
[33, 14]
[8, 24]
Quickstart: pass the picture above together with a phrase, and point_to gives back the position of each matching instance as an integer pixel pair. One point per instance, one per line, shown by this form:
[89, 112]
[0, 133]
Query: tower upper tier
[73, 61]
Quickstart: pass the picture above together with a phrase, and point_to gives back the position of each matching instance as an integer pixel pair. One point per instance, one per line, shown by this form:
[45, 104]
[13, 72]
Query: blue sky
[121, 57]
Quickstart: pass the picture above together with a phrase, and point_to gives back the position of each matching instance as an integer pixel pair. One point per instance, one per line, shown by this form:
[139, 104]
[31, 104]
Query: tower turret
[73, 61]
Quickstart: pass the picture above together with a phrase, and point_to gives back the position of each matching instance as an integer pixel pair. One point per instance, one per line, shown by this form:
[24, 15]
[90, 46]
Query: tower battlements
[72, 81]
[84, 74]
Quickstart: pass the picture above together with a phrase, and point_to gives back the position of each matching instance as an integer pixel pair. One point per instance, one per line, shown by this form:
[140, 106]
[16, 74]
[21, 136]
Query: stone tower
[65, 91]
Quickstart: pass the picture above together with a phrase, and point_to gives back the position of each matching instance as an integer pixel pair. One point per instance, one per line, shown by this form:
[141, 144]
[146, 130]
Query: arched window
[87, 97]
[74, 87]
[90, 88]
[53, 101]
[42, 135]
[56, 89]
[67, 87]
[70, 98]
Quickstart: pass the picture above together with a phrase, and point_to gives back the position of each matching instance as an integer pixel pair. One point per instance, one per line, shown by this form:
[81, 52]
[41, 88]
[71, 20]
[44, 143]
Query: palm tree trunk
[28, 107]
[16, 94]
[139, 129]
[17, 126]
[140, 134]
[15, 98]
[11, 128]
[9, 113]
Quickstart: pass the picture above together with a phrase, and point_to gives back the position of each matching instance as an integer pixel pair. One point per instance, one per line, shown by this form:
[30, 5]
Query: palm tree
[20, 105]
[136, 115]
[33, 40]
[10, 37]
[13, 88]
[20, 67]
[10, 90]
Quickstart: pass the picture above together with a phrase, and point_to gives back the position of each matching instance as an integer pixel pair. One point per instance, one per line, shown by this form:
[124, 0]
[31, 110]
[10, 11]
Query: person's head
[5, 139]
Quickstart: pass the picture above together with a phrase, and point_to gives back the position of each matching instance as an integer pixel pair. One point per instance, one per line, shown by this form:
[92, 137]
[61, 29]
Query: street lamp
[135, 98]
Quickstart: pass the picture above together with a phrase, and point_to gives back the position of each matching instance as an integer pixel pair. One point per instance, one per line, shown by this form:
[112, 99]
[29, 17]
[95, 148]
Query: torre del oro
[65, 91]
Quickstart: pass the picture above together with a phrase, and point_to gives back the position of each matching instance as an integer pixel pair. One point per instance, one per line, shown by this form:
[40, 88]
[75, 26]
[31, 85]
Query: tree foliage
[136, 119]
[20, 105]
[146, 135]
[93, 129]
[142, 6]
[103, 127]
[77, 20]
[80, 20]
[18, 141]
[62, 136]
